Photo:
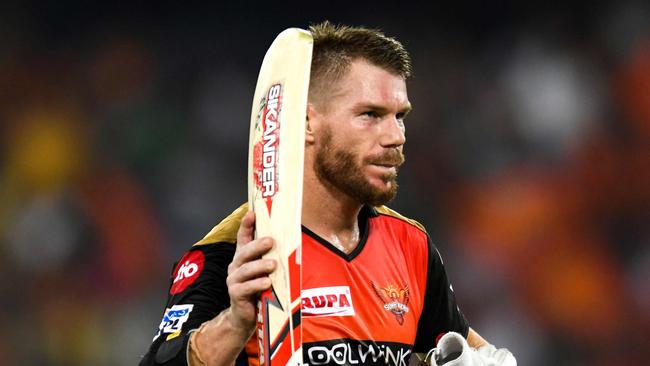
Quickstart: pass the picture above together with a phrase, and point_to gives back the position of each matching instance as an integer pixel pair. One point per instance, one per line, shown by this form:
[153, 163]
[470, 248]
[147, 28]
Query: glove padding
[453, 350]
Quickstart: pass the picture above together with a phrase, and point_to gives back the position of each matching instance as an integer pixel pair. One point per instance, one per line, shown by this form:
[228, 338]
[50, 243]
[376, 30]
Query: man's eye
[371, 114]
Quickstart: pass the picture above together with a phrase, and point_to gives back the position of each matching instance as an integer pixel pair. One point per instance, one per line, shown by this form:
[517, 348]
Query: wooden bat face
[275, 179]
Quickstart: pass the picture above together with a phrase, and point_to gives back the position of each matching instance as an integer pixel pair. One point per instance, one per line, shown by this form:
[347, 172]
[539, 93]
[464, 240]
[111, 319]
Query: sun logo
[395, 300]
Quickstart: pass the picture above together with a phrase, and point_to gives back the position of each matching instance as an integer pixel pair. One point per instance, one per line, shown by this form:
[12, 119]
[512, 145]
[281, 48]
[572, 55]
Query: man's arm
[475, 340]
[210, 311]
[220, 340]
[440, 313]
[217, 342]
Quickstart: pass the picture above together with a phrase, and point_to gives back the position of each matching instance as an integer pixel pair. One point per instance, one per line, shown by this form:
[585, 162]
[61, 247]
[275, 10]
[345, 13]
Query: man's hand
[453, 350]
[248, 274]
[220, 340]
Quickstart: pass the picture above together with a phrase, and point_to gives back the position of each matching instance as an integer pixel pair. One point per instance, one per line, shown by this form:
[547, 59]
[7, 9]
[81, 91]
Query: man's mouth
[388, 162]
[386, 167]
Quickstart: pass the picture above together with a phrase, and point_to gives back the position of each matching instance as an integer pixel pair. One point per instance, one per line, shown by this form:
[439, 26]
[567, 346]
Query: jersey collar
[366, 213]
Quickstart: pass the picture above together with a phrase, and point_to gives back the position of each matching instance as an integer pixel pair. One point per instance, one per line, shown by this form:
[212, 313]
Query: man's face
[360, 140]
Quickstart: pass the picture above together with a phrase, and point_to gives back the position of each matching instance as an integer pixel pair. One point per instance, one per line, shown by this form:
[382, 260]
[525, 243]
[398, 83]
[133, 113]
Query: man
[376, 270]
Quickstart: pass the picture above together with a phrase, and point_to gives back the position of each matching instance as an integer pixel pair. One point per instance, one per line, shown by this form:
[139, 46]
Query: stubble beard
[339, 169]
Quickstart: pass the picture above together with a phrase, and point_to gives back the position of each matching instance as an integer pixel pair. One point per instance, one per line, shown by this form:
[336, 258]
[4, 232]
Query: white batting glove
[453, 350]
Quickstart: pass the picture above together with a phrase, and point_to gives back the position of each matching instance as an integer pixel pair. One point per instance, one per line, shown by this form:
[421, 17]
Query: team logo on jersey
[265, 151]
[187, 271]
[327, 301]
[395, 300]
[173, 320]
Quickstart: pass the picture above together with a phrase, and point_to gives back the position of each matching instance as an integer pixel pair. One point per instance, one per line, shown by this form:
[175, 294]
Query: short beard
[338, 169]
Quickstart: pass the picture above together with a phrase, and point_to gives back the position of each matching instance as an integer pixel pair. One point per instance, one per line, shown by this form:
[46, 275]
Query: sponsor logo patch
[395, 300]
[187, 271]
[265, 151]
[173, 320]
[327, 301]
[351, 352]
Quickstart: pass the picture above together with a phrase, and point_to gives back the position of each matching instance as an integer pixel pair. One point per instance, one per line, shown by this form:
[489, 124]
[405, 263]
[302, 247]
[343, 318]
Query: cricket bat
[275, 180]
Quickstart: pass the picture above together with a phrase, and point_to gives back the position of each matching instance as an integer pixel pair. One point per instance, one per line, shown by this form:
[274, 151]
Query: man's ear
[311, 122]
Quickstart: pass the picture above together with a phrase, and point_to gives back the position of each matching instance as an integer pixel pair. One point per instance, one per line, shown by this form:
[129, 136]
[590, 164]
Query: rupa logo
[327, 301]
[265, 151]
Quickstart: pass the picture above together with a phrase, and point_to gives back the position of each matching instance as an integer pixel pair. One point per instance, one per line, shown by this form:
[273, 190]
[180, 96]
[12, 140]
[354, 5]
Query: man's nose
[394, 132]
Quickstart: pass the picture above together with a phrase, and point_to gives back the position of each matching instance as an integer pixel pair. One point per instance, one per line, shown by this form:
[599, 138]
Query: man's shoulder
[385, 211]
[226, 230]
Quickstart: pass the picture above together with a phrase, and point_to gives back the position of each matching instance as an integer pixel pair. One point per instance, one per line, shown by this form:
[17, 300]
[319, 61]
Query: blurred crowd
[124, 140]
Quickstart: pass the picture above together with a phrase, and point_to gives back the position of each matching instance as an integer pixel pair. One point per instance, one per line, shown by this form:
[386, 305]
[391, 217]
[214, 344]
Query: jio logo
[187, 271]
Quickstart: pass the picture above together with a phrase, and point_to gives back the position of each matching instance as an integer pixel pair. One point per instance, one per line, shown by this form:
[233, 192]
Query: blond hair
[336, 46]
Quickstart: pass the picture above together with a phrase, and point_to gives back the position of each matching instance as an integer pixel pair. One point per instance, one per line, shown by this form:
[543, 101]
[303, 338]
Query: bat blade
[275, 179]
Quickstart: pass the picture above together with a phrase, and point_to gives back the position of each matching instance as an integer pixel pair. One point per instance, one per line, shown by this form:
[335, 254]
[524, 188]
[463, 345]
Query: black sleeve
[440, 313]
[197, 293]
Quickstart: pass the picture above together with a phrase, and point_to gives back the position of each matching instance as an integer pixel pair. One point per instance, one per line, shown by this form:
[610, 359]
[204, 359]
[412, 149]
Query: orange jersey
[366, 307]
[375, 306]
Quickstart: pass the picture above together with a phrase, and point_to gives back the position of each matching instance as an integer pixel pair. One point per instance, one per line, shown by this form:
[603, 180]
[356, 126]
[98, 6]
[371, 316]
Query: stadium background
[123, 140]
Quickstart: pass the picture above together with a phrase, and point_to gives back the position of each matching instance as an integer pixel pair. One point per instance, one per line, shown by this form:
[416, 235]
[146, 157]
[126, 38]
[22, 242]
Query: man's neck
[331, 214]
